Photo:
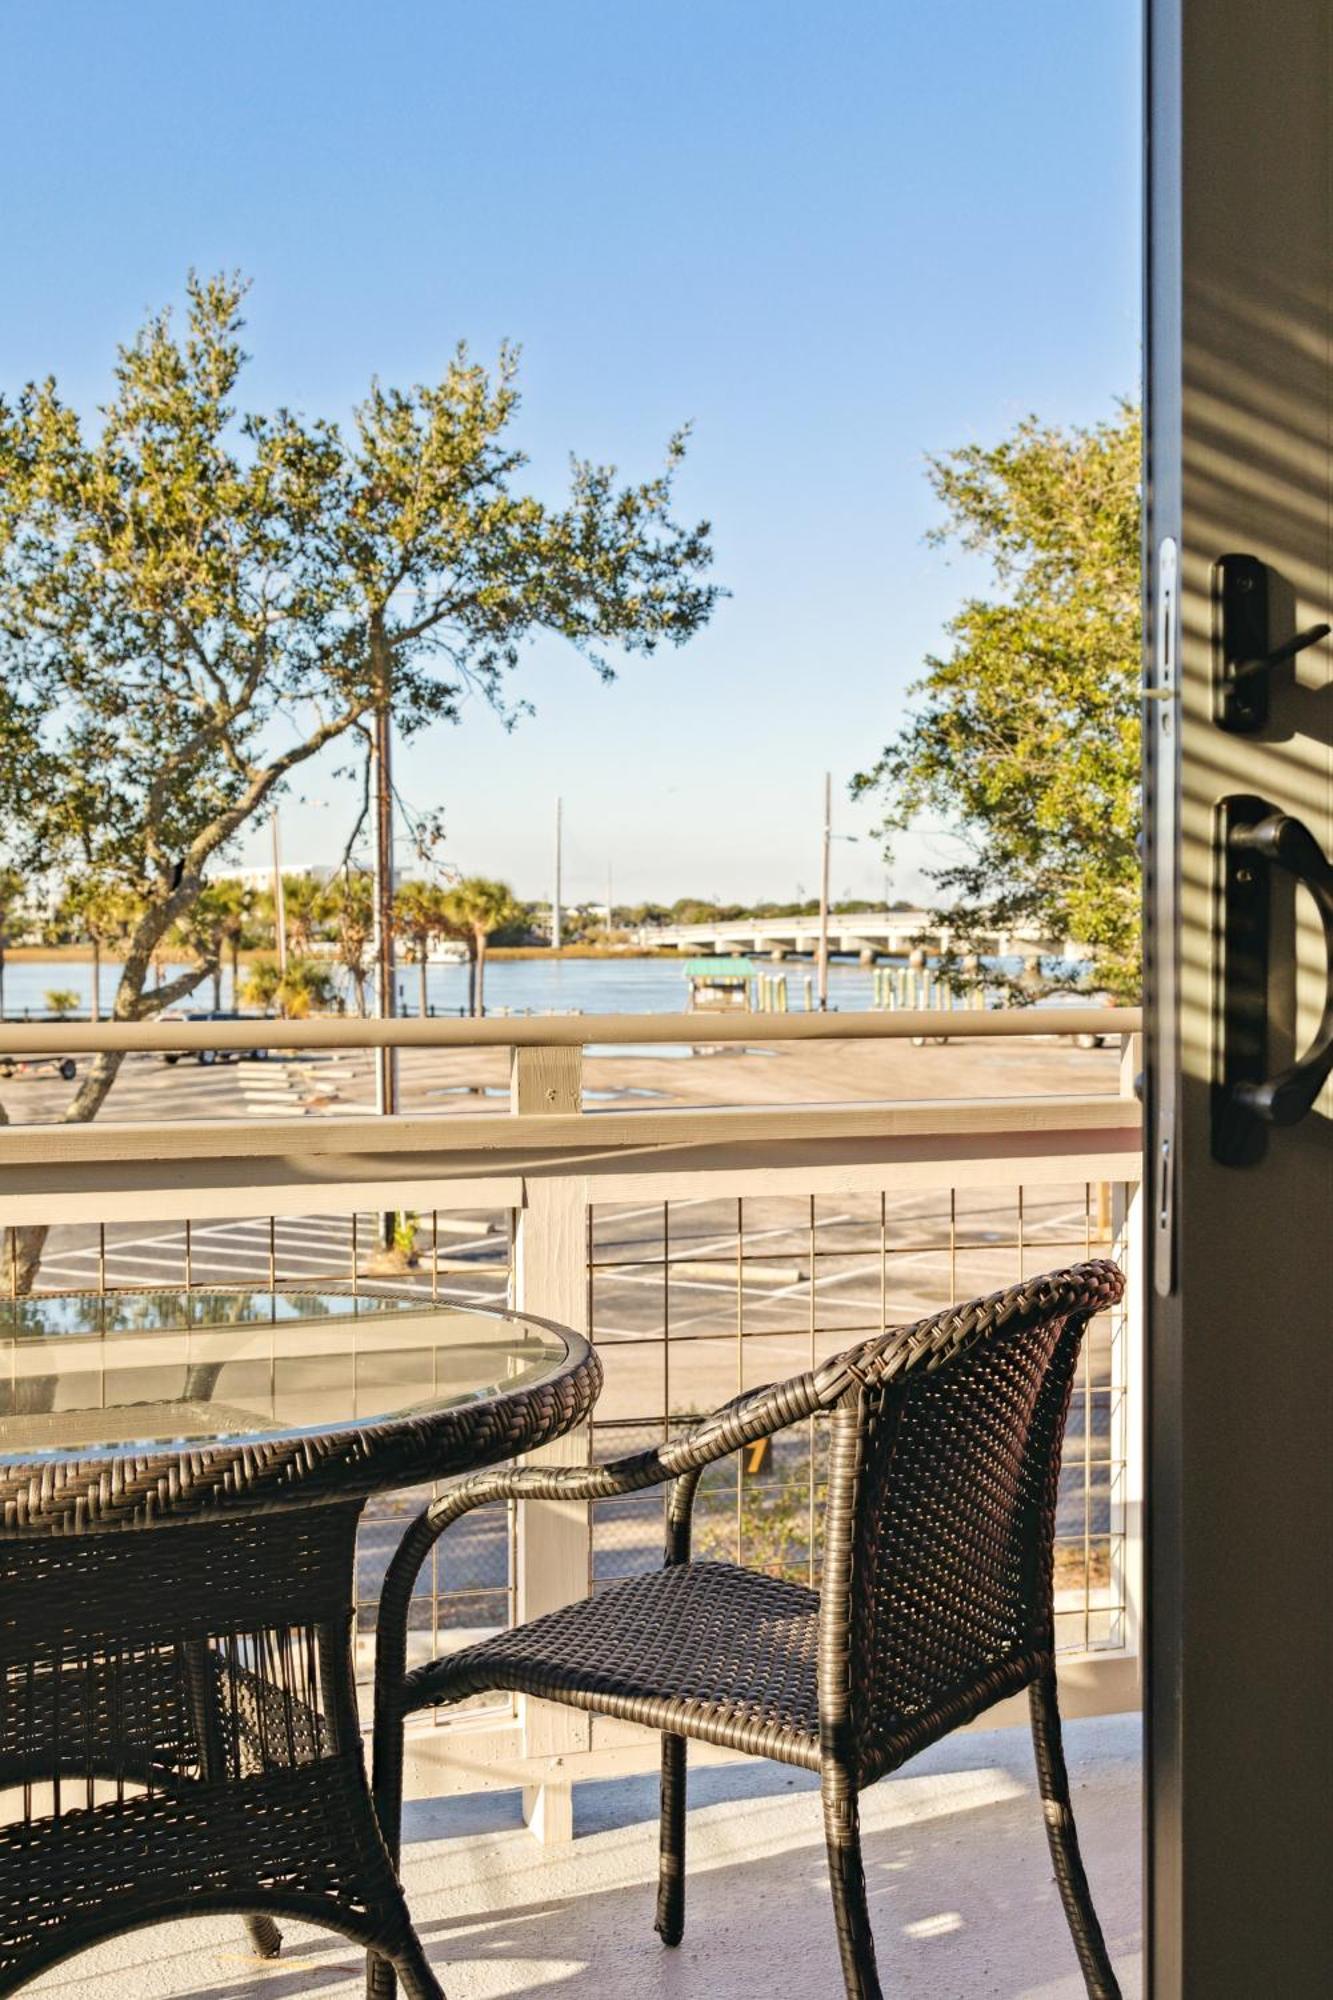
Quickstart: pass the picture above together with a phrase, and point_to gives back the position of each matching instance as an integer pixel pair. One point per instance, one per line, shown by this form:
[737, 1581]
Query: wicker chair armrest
[678, 1462]
[755, 1414]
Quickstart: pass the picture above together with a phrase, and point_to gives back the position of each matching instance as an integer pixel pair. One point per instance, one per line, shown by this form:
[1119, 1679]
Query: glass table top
[90, 1374]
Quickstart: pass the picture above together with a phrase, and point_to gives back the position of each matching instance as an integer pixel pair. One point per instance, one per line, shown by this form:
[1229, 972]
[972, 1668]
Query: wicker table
[181, 1477]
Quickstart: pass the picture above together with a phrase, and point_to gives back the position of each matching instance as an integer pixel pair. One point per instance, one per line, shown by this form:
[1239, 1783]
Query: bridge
[867, 936]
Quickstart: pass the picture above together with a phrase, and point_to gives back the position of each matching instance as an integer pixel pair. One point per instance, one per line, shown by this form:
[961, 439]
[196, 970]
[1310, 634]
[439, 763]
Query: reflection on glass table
[151, 1371]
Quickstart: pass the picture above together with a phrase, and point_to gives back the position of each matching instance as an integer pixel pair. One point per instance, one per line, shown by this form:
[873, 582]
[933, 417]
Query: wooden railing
[701, 1248]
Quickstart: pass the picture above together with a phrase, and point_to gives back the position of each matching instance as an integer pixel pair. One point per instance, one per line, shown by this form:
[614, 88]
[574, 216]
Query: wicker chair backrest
[945, 1456]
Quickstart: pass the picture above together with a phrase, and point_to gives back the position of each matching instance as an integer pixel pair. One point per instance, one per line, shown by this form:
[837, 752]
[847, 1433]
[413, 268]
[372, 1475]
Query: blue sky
[835, 237]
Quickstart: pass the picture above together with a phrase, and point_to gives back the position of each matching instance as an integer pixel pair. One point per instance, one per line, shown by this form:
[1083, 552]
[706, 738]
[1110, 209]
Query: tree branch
[355, 834]
[158, 997]
[230, 822]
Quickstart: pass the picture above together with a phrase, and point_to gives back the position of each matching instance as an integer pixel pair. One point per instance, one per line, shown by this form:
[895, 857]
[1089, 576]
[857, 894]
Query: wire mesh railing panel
[690, 1302]
[693, 1301]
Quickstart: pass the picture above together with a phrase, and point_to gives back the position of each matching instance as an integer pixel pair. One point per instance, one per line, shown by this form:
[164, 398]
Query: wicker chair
[936, 1598]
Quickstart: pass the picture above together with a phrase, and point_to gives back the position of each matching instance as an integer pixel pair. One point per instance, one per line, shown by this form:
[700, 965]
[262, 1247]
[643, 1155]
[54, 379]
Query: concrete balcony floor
[961, 1892]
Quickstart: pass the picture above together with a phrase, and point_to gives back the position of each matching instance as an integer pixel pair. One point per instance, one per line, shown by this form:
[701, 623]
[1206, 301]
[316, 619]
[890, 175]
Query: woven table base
[179, 1734]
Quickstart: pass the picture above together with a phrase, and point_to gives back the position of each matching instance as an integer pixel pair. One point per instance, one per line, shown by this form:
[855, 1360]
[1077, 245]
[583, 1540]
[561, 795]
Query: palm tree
[304, 987]
[103, 911]
[263, 982]
[420, 916]
[477, 908]
[202, 932]
[235, 903]
[11, 897]
[349, 900]
[304, 907]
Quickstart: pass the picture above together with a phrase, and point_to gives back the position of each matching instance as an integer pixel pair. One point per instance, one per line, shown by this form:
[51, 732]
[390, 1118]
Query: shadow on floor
[962, 1898]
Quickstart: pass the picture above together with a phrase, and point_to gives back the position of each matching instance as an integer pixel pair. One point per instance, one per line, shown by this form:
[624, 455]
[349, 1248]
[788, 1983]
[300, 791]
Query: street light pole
[279, 900]
[555, 900]
[824, 864]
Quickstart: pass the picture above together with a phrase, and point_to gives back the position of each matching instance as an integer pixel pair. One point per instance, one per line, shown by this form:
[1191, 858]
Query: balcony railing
[704, 1250]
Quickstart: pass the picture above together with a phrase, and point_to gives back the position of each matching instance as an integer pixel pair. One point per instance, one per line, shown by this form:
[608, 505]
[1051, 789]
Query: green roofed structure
[718, 985]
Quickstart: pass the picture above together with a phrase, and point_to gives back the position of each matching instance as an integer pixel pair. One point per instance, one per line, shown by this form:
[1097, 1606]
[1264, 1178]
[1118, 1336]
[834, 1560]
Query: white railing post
[553, 1545]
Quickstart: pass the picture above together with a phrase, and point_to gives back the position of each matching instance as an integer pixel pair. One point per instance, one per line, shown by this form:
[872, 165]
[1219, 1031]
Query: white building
[262, 878]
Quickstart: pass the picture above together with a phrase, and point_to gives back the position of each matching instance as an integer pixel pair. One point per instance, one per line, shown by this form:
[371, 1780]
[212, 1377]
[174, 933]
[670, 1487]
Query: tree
[421, 915]
[201, 932]
[304, 909]
[234, 902]
[103, 912]
[305, 986]
[1025, 738]
[263, 983]
[62, 1001]
[478, 907]
[349, 901]
[195, 601]
[11, 900]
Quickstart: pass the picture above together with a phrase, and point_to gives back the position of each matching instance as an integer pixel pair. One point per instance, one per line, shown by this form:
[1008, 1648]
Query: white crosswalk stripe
[298, 1248]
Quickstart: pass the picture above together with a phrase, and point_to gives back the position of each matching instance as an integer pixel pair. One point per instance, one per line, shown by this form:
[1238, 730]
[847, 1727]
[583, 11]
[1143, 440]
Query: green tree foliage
[477, 908]
[304, 911]
[349, 903]
[1025, 737]
[99, 909]
[195, 600]
[234, 907]
[263, 979]
[200, 935]
[11, 905]
[422, 915]
[304, 988]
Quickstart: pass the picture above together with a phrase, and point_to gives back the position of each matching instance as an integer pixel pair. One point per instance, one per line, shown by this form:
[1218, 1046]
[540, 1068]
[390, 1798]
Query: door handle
[1256, 839]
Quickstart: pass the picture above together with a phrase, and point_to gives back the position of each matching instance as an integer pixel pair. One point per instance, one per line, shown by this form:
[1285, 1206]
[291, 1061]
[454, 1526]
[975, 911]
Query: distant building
[262, 878]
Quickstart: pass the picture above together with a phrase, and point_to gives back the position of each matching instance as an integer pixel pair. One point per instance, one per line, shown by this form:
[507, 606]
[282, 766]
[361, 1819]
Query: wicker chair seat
[704, 1649]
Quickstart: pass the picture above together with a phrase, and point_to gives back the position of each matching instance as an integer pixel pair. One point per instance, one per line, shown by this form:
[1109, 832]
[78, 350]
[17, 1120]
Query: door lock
[1243, 651]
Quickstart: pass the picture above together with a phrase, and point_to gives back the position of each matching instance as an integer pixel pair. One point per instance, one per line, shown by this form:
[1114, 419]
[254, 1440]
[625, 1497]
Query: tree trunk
[95, 1013]
[480, 1008]
[22, 1251]
[472, 976]
[235, 972]
[217, 987]
[421, 968]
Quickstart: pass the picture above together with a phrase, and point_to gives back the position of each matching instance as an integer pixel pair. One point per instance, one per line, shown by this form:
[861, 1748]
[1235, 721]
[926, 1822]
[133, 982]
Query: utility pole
[279, 900]
[386, 1067]
[555, 899]
[824, 891]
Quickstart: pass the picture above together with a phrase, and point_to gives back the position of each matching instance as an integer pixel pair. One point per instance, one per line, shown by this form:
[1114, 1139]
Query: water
[516, 985]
